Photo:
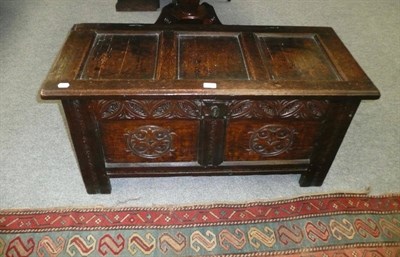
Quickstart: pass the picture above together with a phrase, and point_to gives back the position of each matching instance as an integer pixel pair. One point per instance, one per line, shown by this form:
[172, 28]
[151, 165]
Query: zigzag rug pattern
[351, 225]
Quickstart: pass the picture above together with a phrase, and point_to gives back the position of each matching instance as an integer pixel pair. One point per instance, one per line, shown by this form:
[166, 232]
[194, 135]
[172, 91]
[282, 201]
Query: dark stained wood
[353, 80]
[74, 51]
[332, 134]
[150, 141]
[294, 57]
[212, 133]
[122, 57]
[197, 60]
[167, 58]
[137, 5]
[84, 134]
[262, 140]
[157, 100]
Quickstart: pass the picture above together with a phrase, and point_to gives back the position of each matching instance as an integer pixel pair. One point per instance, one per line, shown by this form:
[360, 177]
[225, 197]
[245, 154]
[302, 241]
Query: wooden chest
[155, 100]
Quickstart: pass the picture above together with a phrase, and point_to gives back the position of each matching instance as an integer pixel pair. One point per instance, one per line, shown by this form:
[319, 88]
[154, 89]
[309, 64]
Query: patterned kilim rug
[351, 225]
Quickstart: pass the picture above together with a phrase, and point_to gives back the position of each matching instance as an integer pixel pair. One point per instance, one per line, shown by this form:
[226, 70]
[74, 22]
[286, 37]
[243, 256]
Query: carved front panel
[255, 140]
[149, 141]
[208, 131]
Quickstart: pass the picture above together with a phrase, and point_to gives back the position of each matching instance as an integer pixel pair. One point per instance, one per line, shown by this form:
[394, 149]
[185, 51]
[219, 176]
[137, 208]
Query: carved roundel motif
[271, 140]
[149, 141]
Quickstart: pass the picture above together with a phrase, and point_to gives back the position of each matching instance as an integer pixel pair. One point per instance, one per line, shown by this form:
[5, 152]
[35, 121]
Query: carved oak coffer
[155, 100]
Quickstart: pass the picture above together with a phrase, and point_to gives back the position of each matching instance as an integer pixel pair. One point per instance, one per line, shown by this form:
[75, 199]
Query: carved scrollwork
[149, 141]
[271, 140]
[195, 109]
[298, 109]
[146, 109]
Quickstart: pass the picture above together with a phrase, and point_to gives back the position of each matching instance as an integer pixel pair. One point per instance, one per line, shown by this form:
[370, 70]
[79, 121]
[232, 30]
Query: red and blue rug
[353, 225]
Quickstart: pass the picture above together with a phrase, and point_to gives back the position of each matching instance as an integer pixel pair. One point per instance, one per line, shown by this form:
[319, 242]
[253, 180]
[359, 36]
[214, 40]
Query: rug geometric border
[319, 226]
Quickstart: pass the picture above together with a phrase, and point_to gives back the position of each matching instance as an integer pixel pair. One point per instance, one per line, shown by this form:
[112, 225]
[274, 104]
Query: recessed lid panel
[210, 56]
[116, 56]
[295, 57]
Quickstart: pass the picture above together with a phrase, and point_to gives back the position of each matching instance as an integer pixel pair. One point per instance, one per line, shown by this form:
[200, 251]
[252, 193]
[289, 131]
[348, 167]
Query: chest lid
[99, 60]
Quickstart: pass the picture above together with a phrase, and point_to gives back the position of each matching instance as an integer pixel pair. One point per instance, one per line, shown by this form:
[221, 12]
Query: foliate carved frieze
[197, 109]
[147, 109]
[297, 109]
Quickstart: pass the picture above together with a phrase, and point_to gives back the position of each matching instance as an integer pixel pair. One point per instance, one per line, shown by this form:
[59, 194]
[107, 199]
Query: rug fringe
[217, 204]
